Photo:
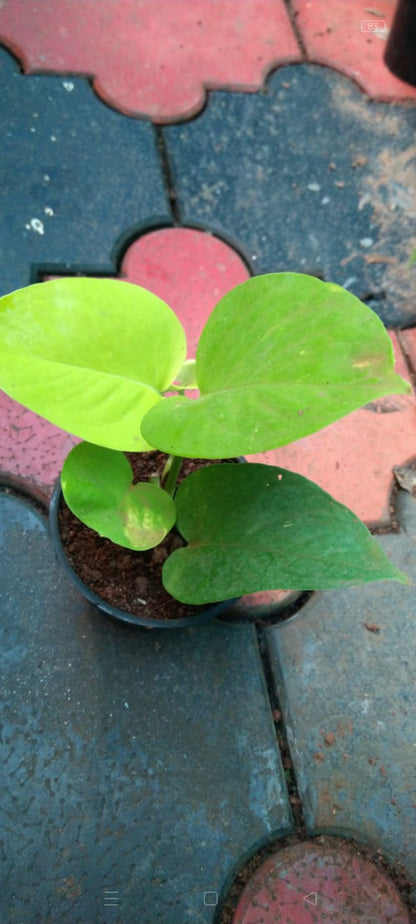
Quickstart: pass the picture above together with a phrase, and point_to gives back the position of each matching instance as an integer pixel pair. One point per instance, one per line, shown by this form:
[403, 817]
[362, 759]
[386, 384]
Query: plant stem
[170, 474]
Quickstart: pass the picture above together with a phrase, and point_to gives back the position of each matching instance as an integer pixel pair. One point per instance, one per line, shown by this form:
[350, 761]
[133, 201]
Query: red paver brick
[189, 269]
[322, 881]
[32, 451]
[333, 35]
[353, 458]
[152, 59]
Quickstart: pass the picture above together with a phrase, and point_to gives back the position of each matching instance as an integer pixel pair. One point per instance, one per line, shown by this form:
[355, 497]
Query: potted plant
[281, 356]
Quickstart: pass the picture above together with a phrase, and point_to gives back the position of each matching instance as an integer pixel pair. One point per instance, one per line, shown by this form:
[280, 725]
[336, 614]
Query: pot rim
[114, 612]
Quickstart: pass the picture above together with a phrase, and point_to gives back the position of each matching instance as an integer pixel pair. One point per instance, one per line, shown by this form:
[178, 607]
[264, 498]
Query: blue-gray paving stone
[345, 670]
[262, 170]
[76, 178]
[132, 760]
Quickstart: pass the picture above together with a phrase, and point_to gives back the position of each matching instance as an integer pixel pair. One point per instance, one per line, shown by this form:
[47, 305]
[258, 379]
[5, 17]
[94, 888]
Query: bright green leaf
[186, 377]
[280, 357]
[256, 527]
[90, 355]
[97, 486]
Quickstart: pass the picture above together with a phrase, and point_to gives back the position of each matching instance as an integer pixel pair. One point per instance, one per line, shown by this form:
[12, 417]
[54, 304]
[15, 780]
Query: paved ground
[184, 147]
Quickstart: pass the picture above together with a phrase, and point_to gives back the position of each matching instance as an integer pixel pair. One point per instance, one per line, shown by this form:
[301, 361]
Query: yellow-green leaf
[90, 355]
[280, 357]
[97, 486]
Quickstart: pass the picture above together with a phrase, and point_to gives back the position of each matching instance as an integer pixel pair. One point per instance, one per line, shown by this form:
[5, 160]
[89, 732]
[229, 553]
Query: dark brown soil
[128, 580]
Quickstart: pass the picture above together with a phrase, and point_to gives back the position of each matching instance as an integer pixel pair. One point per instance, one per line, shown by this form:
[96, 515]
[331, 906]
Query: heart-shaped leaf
[280, 357]
[258, 527]
[90, 355]
[97, 486]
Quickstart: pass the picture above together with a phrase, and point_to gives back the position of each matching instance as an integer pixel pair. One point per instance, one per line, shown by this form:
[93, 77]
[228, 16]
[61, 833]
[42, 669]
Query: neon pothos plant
[280, 357]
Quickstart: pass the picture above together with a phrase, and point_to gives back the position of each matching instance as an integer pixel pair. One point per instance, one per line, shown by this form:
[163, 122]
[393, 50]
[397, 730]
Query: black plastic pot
[400, 53]
[146, 621]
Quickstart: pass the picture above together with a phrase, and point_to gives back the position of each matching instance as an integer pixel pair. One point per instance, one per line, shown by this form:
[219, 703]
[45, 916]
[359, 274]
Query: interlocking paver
[344, 669]
[308, 177]
[153, 59]
[130, 759]
[324, 881]
[341, 35]
[76, 178]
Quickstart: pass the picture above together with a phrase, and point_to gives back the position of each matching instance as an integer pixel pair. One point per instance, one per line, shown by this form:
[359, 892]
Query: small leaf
[90, 355]
[147, 514]
[97, 486]
[186, 377]
[258, 527]
[280, 357]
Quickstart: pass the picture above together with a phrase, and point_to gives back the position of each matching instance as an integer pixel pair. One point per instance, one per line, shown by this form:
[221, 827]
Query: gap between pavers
[345, 678]
[144, 762]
